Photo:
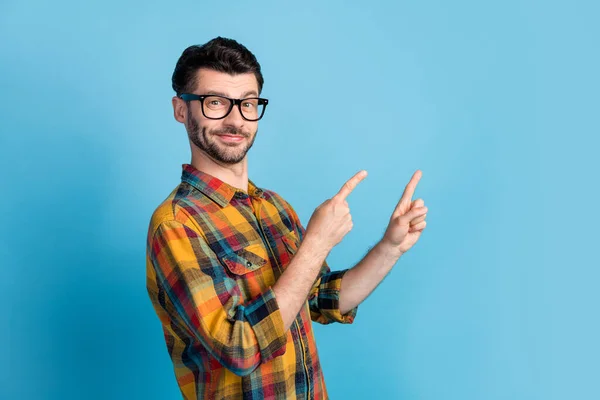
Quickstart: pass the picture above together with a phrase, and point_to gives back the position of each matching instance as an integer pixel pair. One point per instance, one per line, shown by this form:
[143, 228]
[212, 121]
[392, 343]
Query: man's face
[225, 140]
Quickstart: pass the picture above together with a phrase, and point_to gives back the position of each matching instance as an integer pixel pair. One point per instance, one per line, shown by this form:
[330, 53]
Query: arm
[208, 304]
[330, 222]
[324, 296]
[404, 230]
[293, 286]
[364, 277]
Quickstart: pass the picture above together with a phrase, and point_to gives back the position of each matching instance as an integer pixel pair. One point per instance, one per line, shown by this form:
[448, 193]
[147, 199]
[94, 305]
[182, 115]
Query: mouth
[231, 138]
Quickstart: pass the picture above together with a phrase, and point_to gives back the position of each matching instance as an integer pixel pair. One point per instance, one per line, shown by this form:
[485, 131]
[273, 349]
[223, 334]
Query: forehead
[208, 80]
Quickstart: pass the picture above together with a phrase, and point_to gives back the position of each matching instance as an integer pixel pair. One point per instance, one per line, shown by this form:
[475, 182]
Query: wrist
[315, 245]
[390, 249]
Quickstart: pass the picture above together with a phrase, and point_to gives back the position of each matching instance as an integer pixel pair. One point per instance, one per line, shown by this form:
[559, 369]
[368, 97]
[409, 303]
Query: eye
[249, 103]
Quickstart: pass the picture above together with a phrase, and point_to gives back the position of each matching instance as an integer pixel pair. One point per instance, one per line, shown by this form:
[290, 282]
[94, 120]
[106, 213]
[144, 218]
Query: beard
[231, 153]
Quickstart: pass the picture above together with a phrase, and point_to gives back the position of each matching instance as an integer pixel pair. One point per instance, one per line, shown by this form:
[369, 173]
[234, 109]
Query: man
[232, 273]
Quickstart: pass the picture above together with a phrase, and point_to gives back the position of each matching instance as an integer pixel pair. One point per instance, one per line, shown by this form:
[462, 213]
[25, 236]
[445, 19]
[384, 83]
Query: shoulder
[178, 207]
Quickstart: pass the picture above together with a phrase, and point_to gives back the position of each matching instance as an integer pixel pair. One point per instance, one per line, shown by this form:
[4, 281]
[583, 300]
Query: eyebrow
[244, 95]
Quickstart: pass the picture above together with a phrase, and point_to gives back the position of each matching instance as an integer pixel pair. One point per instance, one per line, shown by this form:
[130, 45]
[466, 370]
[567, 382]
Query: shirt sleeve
[324, 296]
[209, 303]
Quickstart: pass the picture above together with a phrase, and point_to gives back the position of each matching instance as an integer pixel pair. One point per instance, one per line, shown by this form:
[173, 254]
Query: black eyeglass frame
[232, 102]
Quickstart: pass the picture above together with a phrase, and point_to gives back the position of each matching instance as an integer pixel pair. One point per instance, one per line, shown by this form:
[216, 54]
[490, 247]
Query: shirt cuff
[328, 299]
[264, 316]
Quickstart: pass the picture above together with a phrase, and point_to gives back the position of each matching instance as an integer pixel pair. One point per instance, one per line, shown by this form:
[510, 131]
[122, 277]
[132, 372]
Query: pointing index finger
[349, 186]
[410, 188]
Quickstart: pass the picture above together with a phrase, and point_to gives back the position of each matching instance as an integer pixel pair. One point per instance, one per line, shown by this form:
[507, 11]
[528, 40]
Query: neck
[235, 175]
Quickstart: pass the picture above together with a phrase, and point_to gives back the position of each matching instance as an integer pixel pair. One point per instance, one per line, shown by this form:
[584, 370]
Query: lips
[231, 138]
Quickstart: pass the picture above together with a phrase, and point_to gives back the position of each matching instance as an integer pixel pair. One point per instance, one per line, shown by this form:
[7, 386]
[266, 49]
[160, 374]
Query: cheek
[253, 128]
[209, 125]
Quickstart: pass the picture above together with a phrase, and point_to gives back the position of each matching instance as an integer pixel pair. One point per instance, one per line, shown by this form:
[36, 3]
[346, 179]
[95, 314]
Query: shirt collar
[218, 191]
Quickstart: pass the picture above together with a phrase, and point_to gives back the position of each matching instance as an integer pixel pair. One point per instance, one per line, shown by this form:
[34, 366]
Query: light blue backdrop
[496, 102]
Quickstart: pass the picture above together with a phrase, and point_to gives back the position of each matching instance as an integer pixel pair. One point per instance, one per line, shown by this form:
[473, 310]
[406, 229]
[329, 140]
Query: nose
[234, 118]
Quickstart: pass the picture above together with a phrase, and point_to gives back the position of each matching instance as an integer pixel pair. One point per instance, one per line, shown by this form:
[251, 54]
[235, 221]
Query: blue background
[496, 102]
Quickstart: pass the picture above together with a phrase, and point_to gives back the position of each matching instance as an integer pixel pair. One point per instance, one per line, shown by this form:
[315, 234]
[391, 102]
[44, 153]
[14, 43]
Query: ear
[179, 109]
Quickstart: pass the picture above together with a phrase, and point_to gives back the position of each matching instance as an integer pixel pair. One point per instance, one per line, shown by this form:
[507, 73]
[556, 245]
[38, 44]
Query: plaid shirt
[213, 254]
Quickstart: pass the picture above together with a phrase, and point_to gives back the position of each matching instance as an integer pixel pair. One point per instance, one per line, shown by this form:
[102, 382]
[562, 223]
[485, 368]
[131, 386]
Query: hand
[331, 221]
[408, 219]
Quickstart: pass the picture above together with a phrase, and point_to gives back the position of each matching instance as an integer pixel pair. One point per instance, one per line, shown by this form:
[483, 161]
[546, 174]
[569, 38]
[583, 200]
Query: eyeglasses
[218, 107]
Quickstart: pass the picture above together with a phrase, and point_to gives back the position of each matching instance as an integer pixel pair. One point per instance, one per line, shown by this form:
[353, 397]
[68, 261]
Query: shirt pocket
[246, 259]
